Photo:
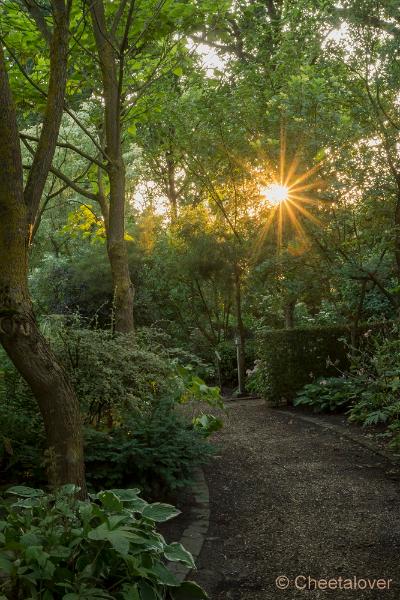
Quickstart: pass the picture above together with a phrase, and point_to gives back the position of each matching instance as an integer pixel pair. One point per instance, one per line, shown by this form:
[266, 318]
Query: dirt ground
[291, 499]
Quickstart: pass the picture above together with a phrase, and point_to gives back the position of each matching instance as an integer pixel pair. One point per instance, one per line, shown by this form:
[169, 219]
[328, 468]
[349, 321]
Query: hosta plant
[328, 395]
[55, 546]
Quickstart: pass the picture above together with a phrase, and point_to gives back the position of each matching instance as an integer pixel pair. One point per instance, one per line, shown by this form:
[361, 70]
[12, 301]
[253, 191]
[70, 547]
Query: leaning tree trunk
[58, 405]
[116, 244]
[19, 334]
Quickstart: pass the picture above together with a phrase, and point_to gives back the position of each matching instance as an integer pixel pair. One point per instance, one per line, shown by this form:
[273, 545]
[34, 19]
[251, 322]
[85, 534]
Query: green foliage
[129, 396]
[376, 370]
[193, 388]
[328, 395]
[370, 387]
[289, 359]
[54, 546]
[113, 374]
[21, 430]
[156, 450]
[207, 424]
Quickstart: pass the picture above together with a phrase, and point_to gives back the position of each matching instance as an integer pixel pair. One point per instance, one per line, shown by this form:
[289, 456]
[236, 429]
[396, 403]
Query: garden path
[290, 498]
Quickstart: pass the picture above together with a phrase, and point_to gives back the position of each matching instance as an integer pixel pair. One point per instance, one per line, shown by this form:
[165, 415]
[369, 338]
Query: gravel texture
[291, 498]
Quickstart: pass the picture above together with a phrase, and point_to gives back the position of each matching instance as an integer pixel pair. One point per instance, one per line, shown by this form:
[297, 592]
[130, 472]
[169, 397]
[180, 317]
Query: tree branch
[53, 113]
[67, 146]
[37, 15]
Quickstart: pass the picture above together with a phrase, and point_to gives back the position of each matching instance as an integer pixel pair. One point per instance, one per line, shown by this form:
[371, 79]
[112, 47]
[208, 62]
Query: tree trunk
[19, 334]
[116, 244]
[397, 229]
[240, 330]
[32, 356]
[289, 314]
[357, 316]
[171, 191]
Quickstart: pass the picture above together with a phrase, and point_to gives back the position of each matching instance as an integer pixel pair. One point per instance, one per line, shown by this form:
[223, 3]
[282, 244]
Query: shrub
[376, 369]
[128, 397]
[112, 374]
[370, 387]
[53, 546]
[21, 429]
[157, 450]
[292, 358]
[328, 395]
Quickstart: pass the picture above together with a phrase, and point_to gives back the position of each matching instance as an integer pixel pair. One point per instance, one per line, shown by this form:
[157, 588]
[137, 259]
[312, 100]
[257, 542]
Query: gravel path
[289, 498]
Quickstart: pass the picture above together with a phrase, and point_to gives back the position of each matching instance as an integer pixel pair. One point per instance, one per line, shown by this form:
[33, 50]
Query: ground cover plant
[54, 546]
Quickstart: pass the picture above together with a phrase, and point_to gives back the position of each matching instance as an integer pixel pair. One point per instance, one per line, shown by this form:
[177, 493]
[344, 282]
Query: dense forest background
[179, 179]
[150, 134]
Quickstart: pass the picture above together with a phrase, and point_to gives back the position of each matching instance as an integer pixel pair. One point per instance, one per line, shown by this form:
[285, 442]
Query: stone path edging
[194, 535]
[344, 433]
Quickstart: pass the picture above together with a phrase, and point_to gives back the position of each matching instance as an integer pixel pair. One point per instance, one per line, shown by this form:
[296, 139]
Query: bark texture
[116, 244]
[19, 333]
[397, 227]
[240, 327]
[289, 314]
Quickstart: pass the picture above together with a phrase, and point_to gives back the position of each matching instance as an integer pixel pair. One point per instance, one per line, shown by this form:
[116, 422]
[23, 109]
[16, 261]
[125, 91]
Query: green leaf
[69, 489]
[176, 552]
[130, 592]
[29, 539]
[160, 512]
[37, 554]
[116, 537]
[178, 71]
[6, 565]
[320, 155]
[110, 501]
[126, 495]
[27, 492]
[163, 575]
[189, 590]
[131, 499]
[27, 503]
[147, 592]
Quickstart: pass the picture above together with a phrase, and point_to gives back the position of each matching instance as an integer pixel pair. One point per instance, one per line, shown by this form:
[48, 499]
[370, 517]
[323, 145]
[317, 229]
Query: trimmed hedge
[291, 358]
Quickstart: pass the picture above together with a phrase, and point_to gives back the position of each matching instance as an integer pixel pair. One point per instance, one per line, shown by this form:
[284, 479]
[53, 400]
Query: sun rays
[288, 193]
[275, 193]
[288, 198]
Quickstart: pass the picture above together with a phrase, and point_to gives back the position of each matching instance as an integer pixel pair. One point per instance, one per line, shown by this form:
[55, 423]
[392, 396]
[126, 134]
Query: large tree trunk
[19, 333]
[32, 356]
[116, 244]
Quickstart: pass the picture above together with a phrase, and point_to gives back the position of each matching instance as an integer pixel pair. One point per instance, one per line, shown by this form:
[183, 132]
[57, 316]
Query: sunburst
[287, 194]
[275, 193]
